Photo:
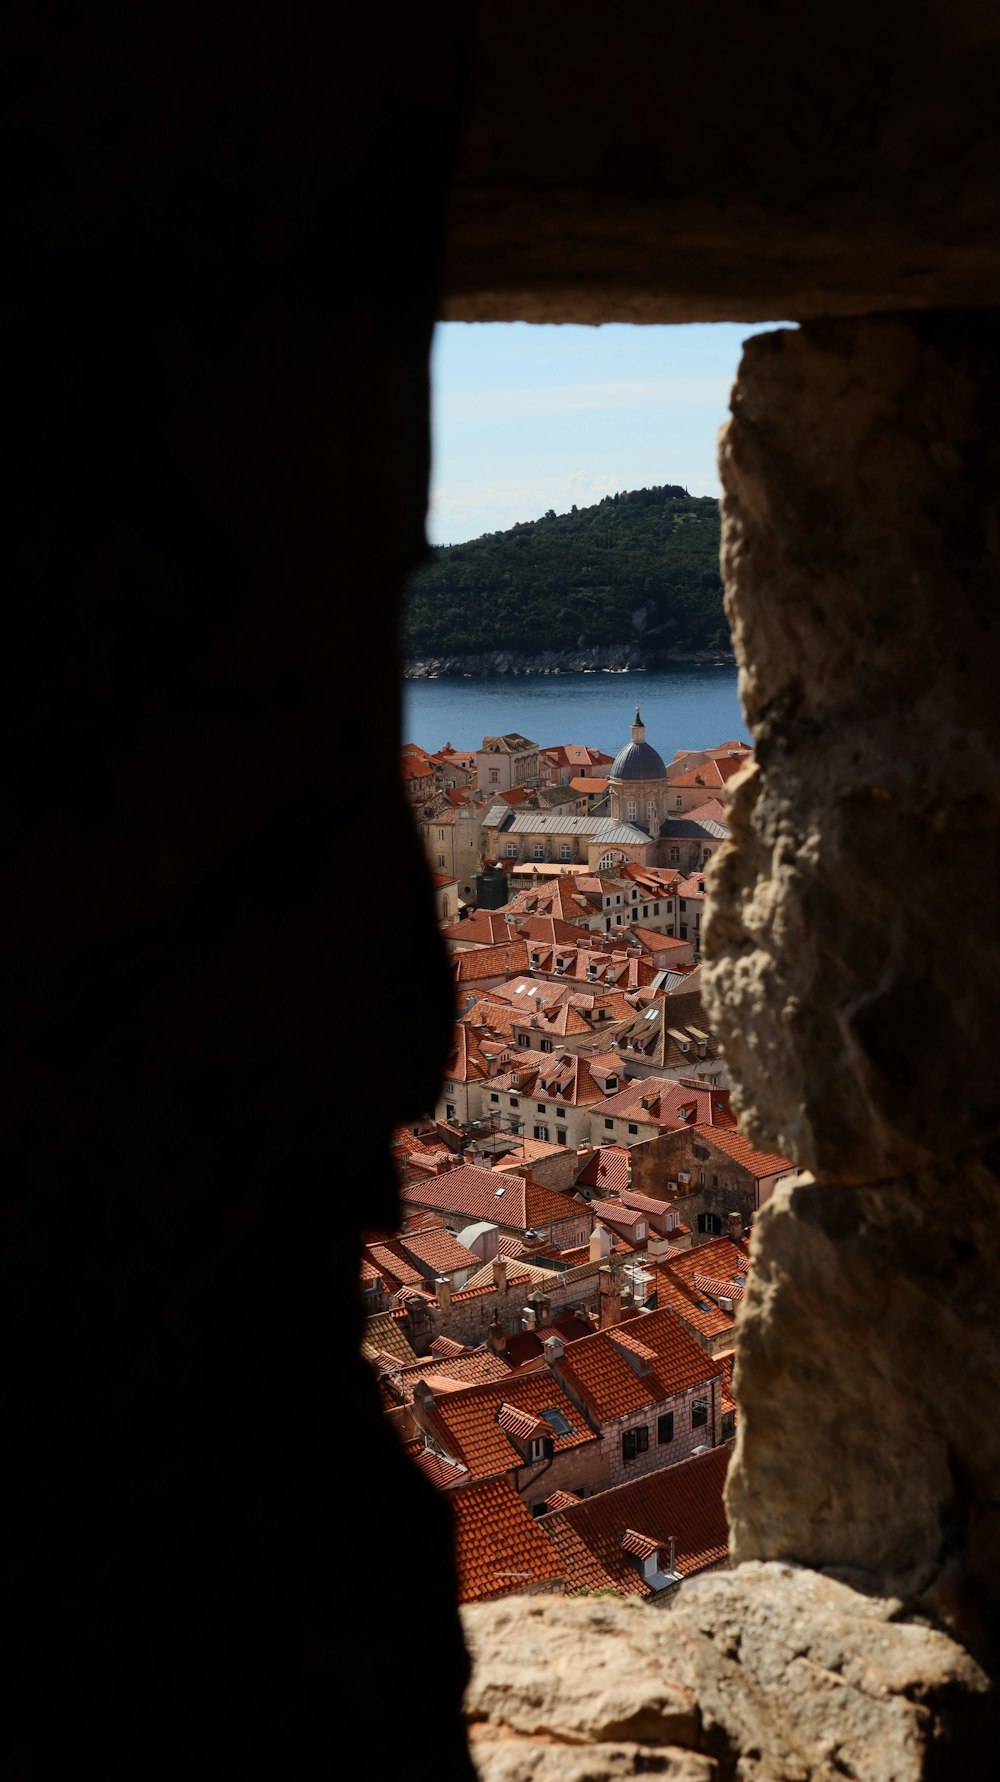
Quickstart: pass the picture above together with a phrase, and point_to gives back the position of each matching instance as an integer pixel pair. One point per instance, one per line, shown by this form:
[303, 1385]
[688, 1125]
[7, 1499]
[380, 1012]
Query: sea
[686, 707]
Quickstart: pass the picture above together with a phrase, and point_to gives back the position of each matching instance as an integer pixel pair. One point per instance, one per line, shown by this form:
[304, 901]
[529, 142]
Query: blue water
[682, 708]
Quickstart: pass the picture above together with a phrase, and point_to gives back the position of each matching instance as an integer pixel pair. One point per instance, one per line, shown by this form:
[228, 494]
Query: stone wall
[861, 552]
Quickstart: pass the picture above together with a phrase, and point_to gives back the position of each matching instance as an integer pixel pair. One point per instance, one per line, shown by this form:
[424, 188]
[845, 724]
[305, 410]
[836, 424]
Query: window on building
[618, 899]
[728, 1425]
[610, 1125]
[513, 1101]
[560, 1135]
[699, 1413]
[632, 1127]
[537, 851]
[541, 1107]
[449, 1110]
[651, 814]
[512, 850]
[679, 800]
[630, 811]
[494, 1097]
[560, 1113]
[440, 859]
[645, 909]
[683, 904]
[541, 1448]
[546, 1045]
[542, 1133]
[665, 1428]
[656, 909]
[556, 1421]
[684, 931]
[635, 1441]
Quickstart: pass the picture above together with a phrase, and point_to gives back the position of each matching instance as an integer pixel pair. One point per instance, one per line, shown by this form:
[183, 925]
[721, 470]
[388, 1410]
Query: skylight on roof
[650, 1015]
[556, 1422]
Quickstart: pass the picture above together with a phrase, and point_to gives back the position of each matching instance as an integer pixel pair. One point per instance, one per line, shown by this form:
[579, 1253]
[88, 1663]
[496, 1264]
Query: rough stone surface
[770, 1674]
[895, 1445]
[671, 165]
[853, 945]
[853, 942]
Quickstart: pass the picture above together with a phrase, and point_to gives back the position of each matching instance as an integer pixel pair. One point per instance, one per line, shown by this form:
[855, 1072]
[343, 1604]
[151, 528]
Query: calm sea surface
[682, 708]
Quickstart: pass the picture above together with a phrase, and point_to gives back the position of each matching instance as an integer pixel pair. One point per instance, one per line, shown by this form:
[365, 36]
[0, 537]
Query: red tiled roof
[500, 1548]
[607, 1382]
[561, 1500]
[445, 1474]
[465, 1423]
[683, 1503]
[614, 1213]
[504, 1198]
[610, 1168]
[720, 1261]
[522, 1425]
[717, 1289]
[759, 1163]
[473, 963]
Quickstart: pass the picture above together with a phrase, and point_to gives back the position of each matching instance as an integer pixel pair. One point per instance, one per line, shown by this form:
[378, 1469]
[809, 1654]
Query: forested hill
[639, 568]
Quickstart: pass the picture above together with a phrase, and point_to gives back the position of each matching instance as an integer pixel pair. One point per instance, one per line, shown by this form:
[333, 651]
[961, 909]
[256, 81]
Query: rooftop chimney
[735, 1224]
[496, 1341]
[442, 1292]
[610, 1298]
[500, 1273]
[554, 1348]
[600, 1243]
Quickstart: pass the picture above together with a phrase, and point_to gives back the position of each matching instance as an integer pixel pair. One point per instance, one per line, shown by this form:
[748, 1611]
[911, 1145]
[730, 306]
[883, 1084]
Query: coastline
[617, 659]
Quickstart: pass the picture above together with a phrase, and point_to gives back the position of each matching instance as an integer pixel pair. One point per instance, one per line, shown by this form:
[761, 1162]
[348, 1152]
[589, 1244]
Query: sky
[527, 417]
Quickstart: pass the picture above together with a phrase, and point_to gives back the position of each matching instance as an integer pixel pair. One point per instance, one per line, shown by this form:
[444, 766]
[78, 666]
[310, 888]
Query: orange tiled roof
[610, 1169]
[721, 1260]
[507, 1199]
[607, 1382]
[466, 1425]
[445, 1474]
[383, 1335]
[499, 1547]
[683, 1502]
[759, 1163]
[472, 963]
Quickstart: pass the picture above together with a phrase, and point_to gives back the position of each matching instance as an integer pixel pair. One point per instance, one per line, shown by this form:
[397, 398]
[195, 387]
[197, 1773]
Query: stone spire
[638, 728]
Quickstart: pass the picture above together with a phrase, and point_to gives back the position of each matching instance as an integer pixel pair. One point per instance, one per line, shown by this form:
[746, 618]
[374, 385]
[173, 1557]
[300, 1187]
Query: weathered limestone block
[854, 940]
[770, 1673]
[868, 1342]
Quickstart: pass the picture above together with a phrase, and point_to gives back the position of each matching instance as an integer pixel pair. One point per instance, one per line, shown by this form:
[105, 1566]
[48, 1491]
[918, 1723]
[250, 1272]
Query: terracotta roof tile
[683, 1503]
[445, 1474]
[607, 1382]
[382, 1335]
[610, 1169]
[465, 1423]
[500, 1548]
[759, 1163]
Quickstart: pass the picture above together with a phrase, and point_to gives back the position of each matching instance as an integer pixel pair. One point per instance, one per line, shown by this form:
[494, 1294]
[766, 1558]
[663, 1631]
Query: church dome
[638, 760]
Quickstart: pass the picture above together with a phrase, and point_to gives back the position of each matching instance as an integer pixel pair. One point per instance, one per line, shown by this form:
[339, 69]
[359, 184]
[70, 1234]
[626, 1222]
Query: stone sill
[767, 1673]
